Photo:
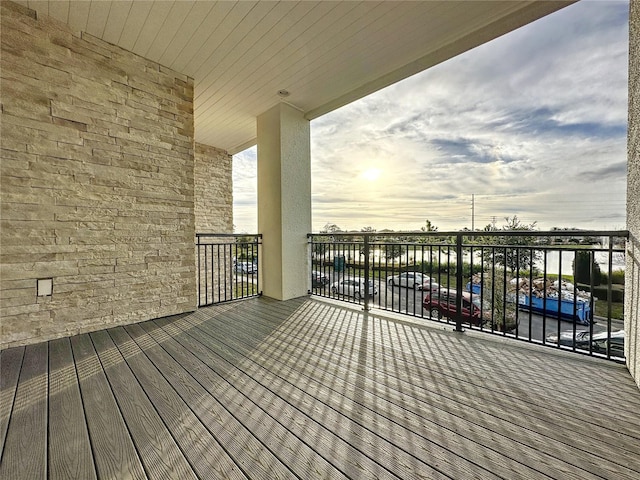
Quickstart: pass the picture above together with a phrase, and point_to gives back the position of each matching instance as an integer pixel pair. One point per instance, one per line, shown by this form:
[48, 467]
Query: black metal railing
[541, 287]
[227, 267]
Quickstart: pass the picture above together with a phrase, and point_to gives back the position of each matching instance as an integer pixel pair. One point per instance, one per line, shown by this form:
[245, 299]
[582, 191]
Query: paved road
[530, 325]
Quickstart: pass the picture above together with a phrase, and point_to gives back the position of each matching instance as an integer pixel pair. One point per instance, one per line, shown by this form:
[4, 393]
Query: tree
[429, 227]
[246, 247]
[582, 268]
[246, 239]
[510, 251]
[331, 228]
[368, 230]
[320, 249]
[393, 251]
[501, 307]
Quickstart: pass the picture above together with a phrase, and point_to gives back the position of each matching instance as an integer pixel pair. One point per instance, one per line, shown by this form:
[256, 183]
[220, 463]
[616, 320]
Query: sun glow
[372, 174]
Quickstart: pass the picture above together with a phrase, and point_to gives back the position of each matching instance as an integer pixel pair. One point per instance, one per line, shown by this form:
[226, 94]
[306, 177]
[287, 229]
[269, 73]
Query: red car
[443, 304]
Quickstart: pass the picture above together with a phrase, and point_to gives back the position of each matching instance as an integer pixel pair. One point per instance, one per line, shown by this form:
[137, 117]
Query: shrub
[428, 268]
[601, 293]
[617, 277]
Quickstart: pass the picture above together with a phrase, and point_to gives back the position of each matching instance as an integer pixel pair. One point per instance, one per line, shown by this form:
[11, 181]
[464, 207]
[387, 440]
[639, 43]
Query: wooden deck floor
[308, 389]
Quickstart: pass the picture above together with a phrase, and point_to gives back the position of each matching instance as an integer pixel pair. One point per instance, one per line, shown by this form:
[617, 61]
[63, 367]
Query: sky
[532, 124]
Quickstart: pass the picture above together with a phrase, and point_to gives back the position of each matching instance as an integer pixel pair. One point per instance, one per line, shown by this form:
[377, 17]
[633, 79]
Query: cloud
[245, 184]
[532, 123]
[616, 172]
[468, 150]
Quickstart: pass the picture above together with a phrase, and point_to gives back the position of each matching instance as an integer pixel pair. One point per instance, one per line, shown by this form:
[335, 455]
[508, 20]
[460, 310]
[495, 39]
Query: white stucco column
[284, 201]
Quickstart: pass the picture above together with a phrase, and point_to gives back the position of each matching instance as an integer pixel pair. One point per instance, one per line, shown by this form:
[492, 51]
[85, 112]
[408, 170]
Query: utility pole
[473, 212]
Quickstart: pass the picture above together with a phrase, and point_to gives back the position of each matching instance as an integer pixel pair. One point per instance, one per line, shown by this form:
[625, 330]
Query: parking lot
[530, 325]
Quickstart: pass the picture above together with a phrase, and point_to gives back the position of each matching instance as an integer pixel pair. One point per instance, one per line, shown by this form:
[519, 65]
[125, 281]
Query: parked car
[566, 338]
[319, 279]
[598, 341]
[246, 267]
[615, 340]
[415, 280]
[442, 303]
[430, 286]
[352, 287]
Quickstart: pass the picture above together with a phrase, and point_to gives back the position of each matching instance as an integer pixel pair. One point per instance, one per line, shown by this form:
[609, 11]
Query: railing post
[258, 259]
[458, 283]
[366, 272]
[592, 305]
[199, 269]
[609, 295]
[310, 260]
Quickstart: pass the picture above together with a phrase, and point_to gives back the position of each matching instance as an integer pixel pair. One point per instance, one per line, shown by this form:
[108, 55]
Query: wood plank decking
[309, 389]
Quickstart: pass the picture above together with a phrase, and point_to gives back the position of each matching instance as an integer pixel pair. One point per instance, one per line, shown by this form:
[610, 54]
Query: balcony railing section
[227, 267]
[563, 289]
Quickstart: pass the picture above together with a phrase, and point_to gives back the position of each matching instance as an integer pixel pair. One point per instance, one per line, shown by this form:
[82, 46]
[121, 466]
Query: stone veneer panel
[97, 183]
[214, 214]
[213, 190]
[632, 275]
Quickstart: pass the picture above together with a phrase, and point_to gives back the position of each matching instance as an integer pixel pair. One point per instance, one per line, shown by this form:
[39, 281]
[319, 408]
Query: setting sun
[371, 174]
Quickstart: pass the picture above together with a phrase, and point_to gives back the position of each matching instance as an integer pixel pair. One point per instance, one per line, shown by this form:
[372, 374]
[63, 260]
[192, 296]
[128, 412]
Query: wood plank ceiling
[325, 53]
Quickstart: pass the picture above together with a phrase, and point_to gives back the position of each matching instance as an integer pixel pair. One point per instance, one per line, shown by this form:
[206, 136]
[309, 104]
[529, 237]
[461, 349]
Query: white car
[352, 287]
[581, 339]
[598, 342]
[615, 341]
[246, 267]
[414, 280]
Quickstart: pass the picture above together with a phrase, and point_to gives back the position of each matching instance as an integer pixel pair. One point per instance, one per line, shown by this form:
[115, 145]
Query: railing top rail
[499, 233]
[229, 235]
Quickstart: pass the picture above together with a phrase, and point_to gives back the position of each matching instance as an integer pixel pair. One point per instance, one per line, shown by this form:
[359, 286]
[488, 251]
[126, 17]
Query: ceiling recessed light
[283, 93]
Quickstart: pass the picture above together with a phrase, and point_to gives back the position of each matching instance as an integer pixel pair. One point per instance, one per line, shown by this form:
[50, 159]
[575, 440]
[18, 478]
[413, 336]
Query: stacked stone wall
[213, 190]
[97, 183]
[214, 214]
